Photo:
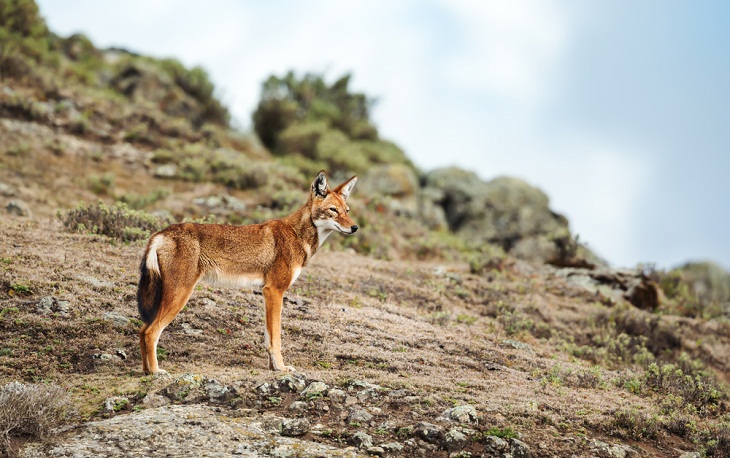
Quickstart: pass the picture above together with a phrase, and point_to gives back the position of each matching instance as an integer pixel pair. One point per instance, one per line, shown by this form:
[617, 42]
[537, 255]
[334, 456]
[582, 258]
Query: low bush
[116, 221]
[33, 409]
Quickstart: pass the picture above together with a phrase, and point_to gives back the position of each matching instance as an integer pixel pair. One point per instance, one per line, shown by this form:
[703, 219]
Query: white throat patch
[322, 233]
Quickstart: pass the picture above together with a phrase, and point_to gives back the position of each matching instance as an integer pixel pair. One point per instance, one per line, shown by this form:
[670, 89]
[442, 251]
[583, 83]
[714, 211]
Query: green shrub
[327, 123]
[116, 221]
[24, 37]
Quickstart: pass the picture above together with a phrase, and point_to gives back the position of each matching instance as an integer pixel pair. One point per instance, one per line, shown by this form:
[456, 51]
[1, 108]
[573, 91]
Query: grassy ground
[435, 329]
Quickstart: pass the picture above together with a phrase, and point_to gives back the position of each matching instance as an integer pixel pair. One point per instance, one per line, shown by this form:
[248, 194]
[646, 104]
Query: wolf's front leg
[274, 298]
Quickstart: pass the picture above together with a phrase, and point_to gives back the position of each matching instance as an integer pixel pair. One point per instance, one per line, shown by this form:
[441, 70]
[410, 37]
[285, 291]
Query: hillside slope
[417, 336]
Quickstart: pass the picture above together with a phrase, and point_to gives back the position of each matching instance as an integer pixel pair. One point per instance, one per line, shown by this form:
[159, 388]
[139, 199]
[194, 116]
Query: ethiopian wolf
[269, 255]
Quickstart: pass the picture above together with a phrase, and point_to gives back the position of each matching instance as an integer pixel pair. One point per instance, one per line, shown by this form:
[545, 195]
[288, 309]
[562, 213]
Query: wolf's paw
[289, 369]
[162, 374]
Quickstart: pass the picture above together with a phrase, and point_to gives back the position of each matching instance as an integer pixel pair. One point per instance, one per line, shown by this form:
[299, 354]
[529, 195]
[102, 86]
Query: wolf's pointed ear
[320, 187]
[345, 188]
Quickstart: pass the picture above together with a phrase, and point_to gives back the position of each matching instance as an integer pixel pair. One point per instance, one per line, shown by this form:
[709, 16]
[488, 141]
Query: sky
[618, 110]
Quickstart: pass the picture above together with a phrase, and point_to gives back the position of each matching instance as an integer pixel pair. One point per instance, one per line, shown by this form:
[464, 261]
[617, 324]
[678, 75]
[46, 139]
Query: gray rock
[495, 445]
[394, 180]
[19, 208]
[376, 451]
[160, 432]
[186, 387]
[298, 406]
[62, 307]
[461, 414]
[393, 447]
[153, 400]
[295, 427]
[361, 439]
[428, 432]
[315, 390]
[358, 415]
[454, 440]
[519, 449]
[95, 282]
[7, 191]
[166, 171]
[337, 396]
[217, 392]
[289, 383]
[362, 385]
[708, 281]
[117, 319]
[45, 305]
[690, 455]
[504, 212]
[189, 330]
[115, 404]
[399, 394]
[264, 389]
[605, 450]
[516, 344]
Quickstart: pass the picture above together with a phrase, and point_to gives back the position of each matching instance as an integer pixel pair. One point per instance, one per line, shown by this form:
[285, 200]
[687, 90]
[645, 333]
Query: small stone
[399, 394]
[18, 207]
[454, 440]
[62, 307]
[7, 191]
[217, 392]
[189, 330]
[377, 451]
[154, 400]
[495, 445]
[289, 383]
[461, 414]
[315, 390]
[264, 389]
[336, 395]
[358, 415]
[45, 305]
[362, 385]
[393, 447]
[121, 353]
[517, 345]
[295, 427]
[519, 449]
[166, 171]
[117, 319]
[361, 439]
[298, 406]
[350, 400]
[428, 431]
[115, 404]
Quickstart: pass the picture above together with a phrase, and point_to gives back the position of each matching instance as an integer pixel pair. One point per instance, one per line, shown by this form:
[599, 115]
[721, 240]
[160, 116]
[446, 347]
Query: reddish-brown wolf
[271, 255]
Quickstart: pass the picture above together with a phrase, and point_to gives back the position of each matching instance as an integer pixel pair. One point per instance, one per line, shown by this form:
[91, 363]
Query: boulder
[506, 212]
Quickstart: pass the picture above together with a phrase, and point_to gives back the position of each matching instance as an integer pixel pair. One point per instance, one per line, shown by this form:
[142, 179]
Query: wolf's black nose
[353, 229]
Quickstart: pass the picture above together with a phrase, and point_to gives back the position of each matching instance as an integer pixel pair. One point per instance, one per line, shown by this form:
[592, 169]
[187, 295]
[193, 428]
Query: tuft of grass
[115, 221]
[504, 433]
[633, 424]
[32, 409]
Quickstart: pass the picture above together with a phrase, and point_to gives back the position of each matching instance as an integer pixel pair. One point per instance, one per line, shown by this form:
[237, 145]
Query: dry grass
[435, 330]
[30, 410]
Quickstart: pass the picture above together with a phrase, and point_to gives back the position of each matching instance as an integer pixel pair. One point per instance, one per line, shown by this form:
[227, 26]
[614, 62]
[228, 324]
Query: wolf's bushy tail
[149, 291]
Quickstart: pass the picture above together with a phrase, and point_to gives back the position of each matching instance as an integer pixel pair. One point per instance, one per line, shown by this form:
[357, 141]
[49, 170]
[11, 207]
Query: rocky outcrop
[177, 430]
[506, 212]
[707, 281]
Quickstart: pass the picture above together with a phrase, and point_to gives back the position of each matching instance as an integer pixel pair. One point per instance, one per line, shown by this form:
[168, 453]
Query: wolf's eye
[334, 209]
[348, 210]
